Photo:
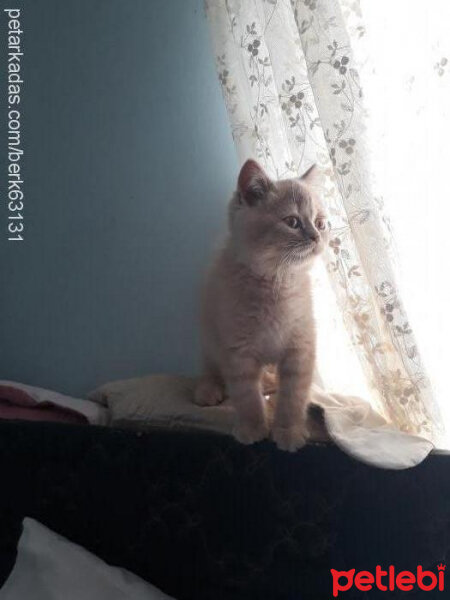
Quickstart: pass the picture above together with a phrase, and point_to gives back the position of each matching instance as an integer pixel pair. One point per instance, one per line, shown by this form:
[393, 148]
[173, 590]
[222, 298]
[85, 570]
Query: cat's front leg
[296, 368]
[243, 379]
[210, 388]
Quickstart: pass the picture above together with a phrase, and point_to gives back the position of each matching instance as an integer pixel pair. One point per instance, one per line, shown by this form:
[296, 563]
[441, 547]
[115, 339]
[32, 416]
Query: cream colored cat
[257, 305]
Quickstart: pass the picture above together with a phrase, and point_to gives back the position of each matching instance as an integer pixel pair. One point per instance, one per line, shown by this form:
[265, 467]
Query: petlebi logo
[388, 580]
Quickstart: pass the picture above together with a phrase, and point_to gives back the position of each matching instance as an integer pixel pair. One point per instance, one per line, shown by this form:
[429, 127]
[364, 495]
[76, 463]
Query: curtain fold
[290, 72]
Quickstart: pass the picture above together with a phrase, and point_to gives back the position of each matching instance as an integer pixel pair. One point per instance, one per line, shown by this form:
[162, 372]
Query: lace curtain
[291, 74]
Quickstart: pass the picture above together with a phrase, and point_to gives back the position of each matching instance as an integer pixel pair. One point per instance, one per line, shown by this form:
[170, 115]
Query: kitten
[257, 305]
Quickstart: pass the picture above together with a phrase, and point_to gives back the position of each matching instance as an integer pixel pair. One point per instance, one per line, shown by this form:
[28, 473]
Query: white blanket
[364, 434]
[165, 401]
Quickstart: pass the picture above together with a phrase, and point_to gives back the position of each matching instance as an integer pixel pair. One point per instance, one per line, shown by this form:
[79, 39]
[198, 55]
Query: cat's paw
[249, 433]
[290, 438]
[208, 393]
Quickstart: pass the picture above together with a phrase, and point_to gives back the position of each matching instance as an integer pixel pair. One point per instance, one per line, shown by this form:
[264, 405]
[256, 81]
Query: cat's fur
[257, 305]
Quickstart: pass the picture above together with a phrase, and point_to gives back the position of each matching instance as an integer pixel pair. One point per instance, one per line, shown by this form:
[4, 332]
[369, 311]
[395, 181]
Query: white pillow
[167, 402]
[49, 567]
[161, 402]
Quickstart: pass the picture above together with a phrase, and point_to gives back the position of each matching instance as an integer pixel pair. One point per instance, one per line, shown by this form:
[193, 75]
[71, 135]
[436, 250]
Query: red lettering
[420, 577]
[391, 578]
[405, 581]
[364, 581]
[379, 573]
[337, 587]
[441, 580]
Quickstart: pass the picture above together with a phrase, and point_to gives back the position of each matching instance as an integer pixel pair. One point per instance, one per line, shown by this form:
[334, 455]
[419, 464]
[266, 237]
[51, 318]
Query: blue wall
[129, 164]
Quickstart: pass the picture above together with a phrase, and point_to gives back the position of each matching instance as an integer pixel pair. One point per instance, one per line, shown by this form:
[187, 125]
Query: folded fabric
[21, 401]
[49, 567]
[363, 433]
[166, 401]
[161, 401]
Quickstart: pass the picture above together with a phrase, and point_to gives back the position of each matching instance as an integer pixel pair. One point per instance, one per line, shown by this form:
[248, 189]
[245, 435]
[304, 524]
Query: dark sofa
[205, 518]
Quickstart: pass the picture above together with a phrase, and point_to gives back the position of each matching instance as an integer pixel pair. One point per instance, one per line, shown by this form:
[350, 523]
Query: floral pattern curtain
[290, 72]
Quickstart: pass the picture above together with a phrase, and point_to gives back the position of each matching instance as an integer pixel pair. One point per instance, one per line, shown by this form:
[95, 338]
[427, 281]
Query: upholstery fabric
[203, 517]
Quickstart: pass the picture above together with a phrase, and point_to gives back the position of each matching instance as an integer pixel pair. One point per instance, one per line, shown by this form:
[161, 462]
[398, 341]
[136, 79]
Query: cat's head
[276, 224]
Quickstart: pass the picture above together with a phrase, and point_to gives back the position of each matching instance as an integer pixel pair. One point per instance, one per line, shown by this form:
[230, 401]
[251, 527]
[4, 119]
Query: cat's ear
[253, 183]
[311, 176]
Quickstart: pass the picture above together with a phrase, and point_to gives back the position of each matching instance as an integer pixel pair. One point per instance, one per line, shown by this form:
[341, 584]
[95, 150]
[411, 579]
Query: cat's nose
[314, 236]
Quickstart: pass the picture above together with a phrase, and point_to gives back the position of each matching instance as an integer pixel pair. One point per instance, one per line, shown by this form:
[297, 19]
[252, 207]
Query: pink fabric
[17, 404]
[16, 396]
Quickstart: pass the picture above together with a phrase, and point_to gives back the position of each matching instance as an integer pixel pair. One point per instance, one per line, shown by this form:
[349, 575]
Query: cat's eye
[293, 222]
[321, 224]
